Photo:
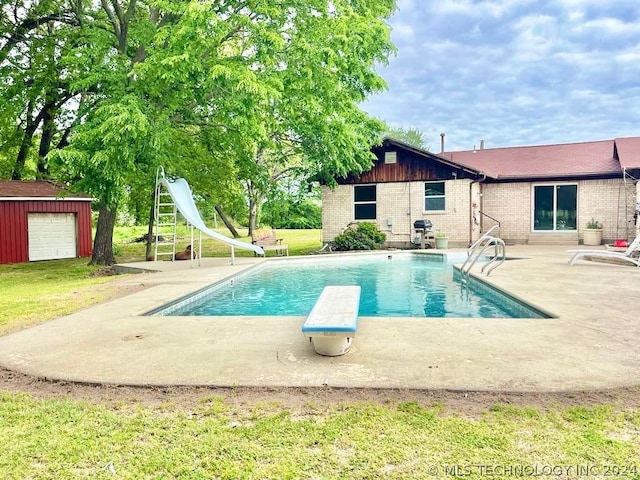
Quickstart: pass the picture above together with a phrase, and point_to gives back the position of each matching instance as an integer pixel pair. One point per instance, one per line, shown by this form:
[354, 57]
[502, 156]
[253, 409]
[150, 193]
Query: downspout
[484, 177]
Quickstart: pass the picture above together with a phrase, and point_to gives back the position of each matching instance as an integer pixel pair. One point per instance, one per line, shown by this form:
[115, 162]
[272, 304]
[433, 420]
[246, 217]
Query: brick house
[536, 194]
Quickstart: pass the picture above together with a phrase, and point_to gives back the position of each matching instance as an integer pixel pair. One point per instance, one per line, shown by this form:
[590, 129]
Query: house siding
[510, 204]
[610, 201]
[400, 204]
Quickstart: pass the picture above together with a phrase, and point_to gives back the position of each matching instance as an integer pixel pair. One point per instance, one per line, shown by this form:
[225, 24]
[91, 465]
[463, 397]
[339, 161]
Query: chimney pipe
[442, 143]
[481, 144]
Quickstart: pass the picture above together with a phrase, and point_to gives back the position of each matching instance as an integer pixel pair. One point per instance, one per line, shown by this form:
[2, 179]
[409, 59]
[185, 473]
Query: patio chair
[630, 254]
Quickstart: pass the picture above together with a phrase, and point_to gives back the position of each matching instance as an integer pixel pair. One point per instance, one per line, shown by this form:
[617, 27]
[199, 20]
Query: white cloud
[514, 72]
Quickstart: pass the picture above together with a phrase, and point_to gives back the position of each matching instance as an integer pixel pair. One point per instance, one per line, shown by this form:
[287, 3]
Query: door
[52, 236]
[555, 207]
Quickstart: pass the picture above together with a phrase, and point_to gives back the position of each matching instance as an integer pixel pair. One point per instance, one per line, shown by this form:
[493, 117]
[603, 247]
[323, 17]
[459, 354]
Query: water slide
[183, 198]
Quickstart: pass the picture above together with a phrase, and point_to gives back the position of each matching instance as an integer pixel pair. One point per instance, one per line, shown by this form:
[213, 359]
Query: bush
[364, 236]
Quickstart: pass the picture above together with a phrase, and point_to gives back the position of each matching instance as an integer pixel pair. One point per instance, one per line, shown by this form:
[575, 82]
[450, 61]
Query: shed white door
[52, 236]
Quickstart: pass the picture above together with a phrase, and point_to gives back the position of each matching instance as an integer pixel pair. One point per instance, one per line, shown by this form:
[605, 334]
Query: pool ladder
[479, 248]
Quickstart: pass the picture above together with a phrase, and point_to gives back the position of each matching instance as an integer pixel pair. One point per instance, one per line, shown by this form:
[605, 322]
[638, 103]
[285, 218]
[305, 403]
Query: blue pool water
[393, 285]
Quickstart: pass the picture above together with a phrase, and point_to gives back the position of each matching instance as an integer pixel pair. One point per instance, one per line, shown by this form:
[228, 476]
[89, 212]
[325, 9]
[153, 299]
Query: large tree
[268, 89]
[34, 93]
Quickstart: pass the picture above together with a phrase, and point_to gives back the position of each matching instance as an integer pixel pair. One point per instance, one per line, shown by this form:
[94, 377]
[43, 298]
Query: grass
[61, 437]
[301, 242]
[39, 291]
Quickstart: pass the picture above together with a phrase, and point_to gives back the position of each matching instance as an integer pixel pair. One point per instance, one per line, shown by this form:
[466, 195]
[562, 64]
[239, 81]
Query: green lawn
[63, 438]
[301, 242]
[59, 436]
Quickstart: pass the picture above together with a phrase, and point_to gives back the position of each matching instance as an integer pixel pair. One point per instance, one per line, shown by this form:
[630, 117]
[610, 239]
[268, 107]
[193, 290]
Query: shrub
[364, 236]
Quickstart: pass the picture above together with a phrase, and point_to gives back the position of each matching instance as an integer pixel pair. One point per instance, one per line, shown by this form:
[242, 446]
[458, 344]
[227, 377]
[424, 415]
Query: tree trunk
[253, 215]
[48, 130]
[226, 221]
[255, 203]
[25, 145]
[103, 242]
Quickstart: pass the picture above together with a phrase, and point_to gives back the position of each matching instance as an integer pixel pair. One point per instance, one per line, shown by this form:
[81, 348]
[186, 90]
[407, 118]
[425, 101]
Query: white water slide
[183, 198]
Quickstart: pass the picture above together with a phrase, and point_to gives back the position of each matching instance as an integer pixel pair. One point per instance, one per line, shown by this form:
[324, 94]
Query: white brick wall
[609, 201]
[400, 204]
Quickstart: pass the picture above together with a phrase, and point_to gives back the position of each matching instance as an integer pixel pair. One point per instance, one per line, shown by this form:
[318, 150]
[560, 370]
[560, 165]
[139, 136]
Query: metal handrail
[478, 248]
[486, 235]
[489, 216]
[499, 255]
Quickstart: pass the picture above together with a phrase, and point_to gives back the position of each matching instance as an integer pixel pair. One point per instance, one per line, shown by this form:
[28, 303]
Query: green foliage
[364, 236]
[410, 136]
[283, 213]
[594, 224]
[230, 95]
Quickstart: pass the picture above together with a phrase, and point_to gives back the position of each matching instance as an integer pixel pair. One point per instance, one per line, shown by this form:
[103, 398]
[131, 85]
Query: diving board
[333, 321]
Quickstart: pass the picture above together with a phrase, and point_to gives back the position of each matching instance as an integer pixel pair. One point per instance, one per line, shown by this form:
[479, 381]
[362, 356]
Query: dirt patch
[103, 272]
[467, 404]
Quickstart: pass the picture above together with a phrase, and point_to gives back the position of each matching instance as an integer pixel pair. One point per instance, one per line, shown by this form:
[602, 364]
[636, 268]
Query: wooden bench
[266, 238]
[333, 321]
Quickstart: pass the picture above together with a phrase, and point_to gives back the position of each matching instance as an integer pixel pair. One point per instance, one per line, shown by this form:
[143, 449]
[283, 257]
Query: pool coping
[591, 344]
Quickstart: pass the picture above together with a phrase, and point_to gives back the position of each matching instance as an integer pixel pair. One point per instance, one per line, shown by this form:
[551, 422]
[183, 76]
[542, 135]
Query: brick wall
[510, 204]
[398, 206]
[609, 201]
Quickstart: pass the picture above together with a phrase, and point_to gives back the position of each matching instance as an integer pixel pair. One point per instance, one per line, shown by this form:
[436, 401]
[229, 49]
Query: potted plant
[593, 232]
[442, 241]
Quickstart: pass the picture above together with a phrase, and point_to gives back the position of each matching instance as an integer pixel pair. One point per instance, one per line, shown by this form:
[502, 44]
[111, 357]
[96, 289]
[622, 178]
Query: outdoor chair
[630, 254]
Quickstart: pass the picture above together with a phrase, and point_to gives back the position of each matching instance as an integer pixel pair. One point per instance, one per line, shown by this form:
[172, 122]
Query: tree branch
[29, 24]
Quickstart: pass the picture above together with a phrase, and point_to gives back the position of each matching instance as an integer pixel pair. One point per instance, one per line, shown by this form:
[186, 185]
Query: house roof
[586, 159]
[628, 152]
[36, 189]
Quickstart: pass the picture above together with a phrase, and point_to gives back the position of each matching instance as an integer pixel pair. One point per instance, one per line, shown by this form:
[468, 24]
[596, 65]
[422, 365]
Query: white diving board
[333, 321]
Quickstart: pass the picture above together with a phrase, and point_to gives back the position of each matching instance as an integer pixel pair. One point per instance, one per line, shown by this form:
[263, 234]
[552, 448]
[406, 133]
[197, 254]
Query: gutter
[484, 177]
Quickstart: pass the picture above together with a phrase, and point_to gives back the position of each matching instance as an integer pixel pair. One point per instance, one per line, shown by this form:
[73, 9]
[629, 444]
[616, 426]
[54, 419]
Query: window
[364, 202]
[434, 196]
[554, 207]
[390, 157]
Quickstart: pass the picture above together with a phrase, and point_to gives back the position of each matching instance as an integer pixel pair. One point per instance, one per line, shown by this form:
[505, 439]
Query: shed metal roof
[30, 189]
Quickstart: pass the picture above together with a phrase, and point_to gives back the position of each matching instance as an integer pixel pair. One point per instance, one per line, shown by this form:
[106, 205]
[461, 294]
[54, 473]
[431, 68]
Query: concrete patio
[592, 343]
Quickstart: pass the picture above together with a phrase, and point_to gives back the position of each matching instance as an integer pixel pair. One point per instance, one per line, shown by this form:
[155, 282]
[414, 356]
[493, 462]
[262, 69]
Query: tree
[410, 136]
[268, 91]
[35, 89]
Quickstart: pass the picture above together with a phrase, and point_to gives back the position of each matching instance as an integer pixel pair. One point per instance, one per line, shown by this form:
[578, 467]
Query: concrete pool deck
[593, 343]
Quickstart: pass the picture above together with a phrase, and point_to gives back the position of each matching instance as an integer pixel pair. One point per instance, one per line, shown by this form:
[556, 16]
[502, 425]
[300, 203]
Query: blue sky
[513, 72]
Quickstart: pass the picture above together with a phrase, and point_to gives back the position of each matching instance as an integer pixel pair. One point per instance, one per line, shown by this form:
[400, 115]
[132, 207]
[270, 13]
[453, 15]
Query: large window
[555, 207]
[434, 196]
[364, 202]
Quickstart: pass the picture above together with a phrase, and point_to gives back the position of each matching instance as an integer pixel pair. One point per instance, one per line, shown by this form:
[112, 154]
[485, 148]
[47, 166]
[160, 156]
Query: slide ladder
[181, 200]
[165, 220]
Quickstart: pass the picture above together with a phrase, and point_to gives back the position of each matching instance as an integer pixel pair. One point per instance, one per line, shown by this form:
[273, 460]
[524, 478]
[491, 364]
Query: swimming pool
[393, 285]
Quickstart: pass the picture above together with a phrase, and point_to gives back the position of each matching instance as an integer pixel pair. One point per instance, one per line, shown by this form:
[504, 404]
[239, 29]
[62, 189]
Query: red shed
[42, 221]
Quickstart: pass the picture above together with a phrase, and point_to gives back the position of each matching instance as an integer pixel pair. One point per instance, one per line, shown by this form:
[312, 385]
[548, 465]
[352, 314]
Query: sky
[513, 72]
